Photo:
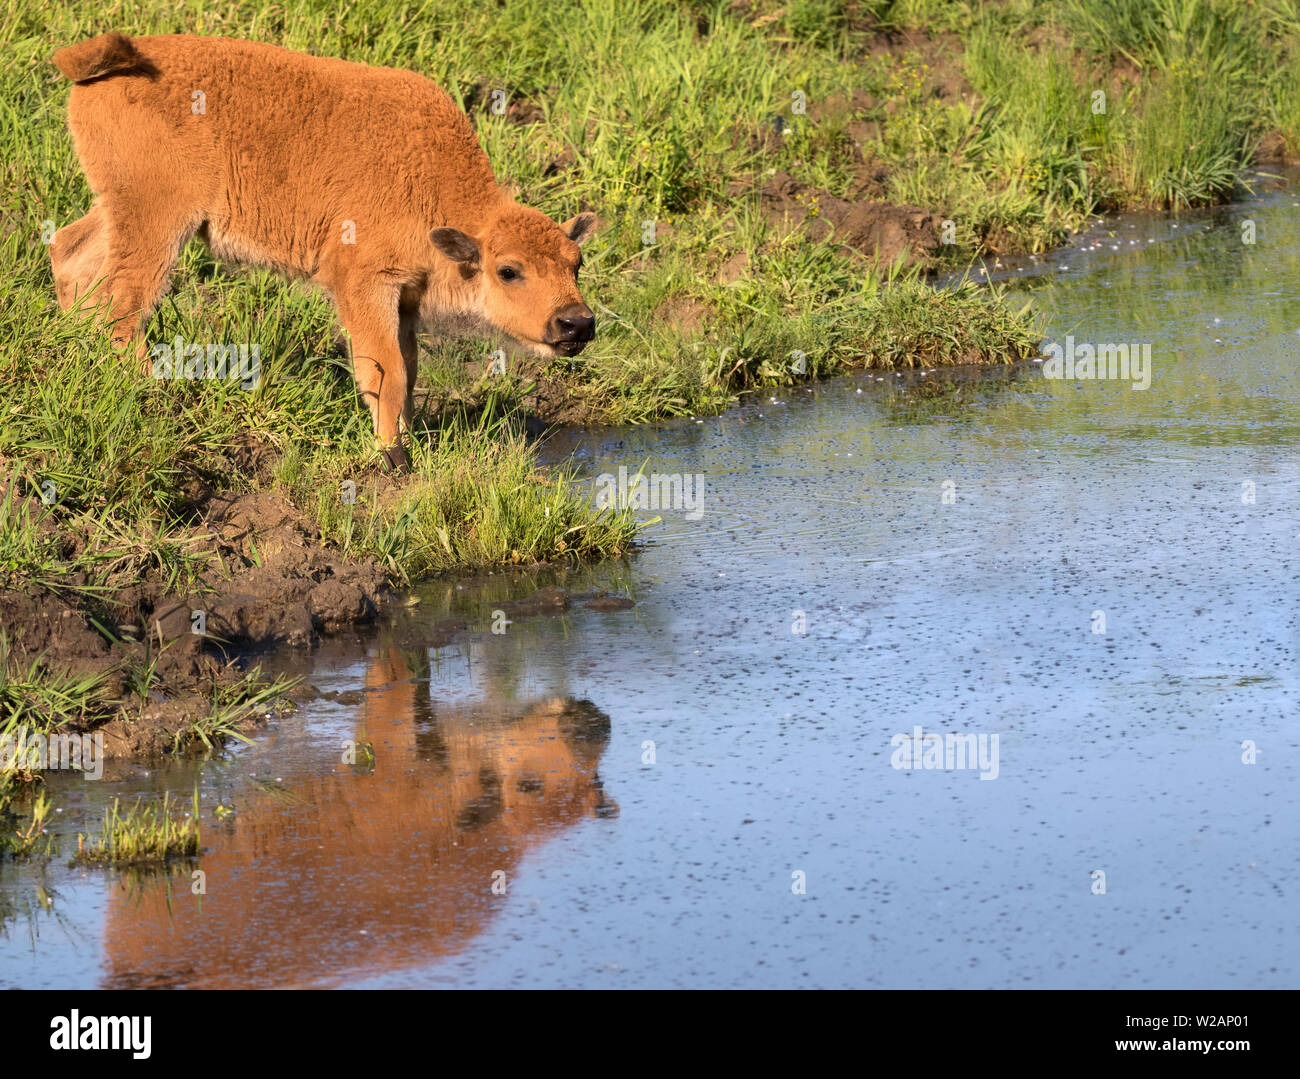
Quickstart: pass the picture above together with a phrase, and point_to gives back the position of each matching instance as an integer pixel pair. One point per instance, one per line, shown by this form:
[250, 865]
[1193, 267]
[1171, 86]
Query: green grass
[1211, 74]
[232, 705]
[476, 499]
[23, 816]
[42, 700]
[145, 834]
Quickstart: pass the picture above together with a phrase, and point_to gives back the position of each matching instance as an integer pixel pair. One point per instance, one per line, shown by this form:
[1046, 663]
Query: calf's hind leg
[77, 256]
[143, 246]
[408, 327]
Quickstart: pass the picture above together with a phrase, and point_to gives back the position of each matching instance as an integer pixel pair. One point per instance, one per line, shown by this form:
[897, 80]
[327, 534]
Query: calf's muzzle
[570, 328]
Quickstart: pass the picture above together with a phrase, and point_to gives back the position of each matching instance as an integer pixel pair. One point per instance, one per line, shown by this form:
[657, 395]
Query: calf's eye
[506, 273]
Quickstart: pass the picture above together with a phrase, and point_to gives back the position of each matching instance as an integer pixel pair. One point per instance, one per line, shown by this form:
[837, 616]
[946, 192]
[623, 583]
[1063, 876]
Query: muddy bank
[157, 661]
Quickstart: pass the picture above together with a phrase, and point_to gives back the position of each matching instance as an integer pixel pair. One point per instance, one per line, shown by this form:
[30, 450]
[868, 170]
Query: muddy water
[702, 789]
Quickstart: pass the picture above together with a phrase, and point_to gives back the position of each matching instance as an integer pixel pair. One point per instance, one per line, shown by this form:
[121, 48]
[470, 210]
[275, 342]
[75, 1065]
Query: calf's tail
[108, 54]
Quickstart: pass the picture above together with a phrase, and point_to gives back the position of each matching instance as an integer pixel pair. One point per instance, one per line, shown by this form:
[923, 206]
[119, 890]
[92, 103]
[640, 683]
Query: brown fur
[269, 155]
[98, 57]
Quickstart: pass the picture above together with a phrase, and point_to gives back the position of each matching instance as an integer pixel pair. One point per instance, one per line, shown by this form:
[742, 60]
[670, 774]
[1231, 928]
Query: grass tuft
[145, 834]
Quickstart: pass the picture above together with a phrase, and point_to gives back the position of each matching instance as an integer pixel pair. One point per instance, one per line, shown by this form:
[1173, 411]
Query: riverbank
[779, 187]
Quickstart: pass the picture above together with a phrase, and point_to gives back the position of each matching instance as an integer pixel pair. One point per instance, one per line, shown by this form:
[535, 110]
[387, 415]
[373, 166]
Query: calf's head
[524, 270]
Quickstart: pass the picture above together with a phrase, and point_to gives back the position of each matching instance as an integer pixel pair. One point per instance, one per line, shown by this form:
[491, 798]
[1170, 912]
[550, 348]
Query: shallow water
[952, 543]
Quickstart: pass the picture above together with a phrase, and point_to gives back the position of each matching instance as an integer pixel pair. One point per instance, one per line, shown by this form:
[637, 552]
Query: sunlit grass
[144, 834]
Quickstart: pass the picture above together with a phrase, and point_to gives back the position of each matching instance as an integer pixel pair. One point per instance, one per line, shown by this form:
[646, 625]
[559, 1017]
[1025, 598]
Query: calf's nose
[574, 323]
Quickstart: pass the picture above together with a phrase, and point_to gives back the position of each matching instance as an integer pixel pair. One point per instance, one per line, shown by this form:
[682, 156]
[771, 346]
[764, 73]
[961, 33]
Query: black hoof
[396, 460]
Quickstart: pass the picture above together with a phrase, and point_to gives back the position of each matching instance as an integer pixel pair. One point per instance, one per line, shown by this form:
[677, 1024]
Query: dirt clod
[880, 231]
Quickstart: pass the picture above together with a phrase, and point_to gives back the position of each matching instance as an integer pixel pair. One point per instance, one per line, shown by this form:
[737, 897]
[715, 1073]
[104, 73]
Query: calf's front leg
[379, 367]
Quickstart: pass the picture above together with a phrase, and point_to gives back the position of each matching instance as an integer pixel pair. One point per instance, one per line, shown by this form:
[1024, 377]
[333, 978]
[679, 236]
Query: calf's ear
[455, 245]
[580, 229]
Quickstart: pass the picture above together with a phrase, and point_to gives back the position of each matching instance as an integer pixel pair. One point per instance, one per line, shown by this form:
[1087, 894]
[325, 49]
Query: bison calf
[368, 181]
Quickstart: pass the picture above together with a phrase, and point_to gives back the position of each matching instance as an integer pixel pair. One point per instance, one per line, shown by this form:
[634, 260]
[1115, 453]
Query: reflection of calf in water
[367, 873]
